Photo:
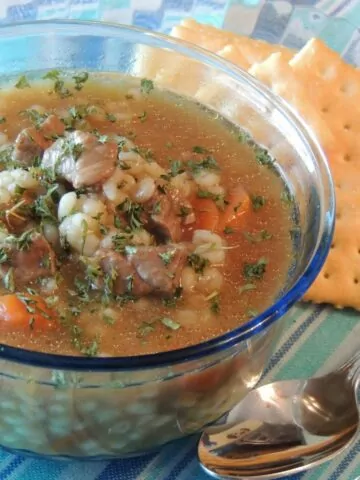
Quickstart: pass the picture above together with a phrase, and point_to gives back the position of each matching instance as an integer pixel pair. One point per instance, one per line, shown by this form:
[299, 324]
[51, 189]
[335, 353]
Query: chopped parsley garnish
[117, 222]
[111, 117]
[176, 167]
[255, 270]
[90, 350]
[258, 236]
[156, 209]
[169, 144]
[133, 211]
[143, 116]
[228, 230]
[4, 257]
[215, 304]
[197, 263]
[251, 312]
[246, 288]
[25, 240]
[218, 199]
[82, 290]
[287, 198]
[59, 84]
[209, 163]
[34, 116]
[198, 149]
[146, 86]
[44, 207]
[171, 302]
[2, 119]
[245, 138]
[119, 242]
[9, 280]
[22, 82]
[184, 211]
[80, 80]
[167, 257]
[108, 319]
[257, 201]
[145, 328]
[170, 323]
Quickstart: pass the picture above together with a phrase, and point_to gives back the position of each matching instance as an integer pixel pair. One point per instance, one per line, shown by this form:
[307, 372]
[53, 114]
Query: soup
[134, 221]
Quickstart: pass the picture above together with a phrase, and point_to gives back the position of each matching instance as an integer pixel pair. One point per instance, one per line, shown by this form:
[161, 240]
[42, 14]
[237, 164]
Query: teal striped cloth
[315, 338]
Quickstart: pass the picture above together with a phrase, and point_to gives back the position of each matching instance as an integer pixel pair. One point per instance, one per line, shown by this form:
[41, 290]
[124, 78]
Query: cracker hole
[326, 275]
[359, 251]
[347, 126]
[333, 246]
[347, 157]
[325, 109]
[338, 215]
[356, 281]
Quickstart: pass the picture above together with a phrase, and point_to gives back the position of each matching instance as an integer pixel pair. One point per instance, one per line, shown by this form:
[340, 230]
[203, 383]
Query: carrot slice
[207, 214]
[235, 211]
[28, 312]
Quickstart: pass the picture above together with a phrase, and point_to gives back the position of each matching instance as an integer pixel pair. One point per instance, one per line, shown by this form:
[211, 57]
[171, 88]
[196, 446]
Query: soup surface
[133, 221]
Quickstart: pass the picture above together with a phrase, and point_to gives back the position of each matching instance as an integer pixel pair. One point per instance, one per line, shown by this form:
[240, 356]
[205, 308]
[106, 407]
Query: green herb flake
[90, 350]
[258, 236]
[287, 198]
[167, 257]
[255, 270]
[4, 257]
[9, 280]
[197, 263]
[156, 209]
[169, 144]
[22, 82]
[111, 117]
[209, 163]
[257, 201]
[219, 200]
[170, 323]
[215, 304]
[251, 313]
[2, 119]
[143, 116]
[184, 211]
[246, 288]
[245, 138]
[200, 150]
[80, 80]
[146, 86]
[145, 328]
[108, 319]
[176, 168]
[172, 302]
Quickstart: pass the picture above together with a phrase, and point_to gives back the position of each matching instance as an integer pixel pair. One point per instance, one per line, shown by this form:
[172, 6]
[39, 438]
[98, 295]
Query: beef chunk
[145, 270]
[35, 261]
[164, 218]
[81, 159]
[31, 142]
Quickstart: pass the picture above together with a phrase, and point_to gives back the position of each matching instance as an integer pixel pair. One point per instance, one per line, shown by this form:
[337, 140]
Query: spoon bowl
[285, 427]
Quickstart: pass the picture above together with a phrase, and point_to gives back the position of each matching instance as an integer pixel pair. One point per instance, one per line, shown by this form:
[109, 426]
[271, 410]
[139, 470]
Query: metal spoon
[285, 427]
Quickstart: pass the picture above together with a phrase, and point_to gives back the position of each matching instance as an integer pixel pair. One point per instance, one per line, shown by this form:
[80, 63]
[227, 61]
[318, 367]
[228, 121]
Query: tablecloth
[315, 337]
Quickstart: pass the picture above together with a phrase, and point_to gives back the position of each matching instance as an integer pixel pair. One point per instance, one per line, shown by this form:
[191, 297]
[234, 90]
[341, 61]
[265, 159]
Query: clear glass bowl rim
[253, 326]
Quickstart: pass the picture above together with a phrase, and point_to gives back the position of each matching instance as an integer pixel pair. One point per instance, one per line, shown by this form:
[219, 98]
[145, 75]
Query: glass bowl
[97, 408]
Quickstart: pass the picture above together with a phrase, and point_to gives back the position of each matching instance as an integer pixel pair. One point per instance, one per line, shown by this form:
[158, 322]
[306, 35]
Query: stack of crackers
[326, 93]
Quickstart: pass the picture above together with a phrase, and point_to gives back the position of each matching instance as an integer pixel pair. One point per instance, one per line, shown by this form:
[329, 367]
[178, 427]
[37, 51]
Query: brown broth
[172, 126]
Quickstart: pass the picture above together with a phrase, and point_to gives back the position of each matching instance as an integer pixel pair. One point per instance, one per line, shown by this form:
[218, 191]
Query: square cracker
[317, 80]
[247, 50]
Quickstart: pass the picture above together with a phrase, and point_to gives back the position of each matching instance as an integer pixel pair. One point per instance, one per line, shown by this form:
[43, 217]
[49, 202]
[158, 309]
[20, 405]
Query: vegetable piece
[206, 213]
[26, 312]
[238, 205]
